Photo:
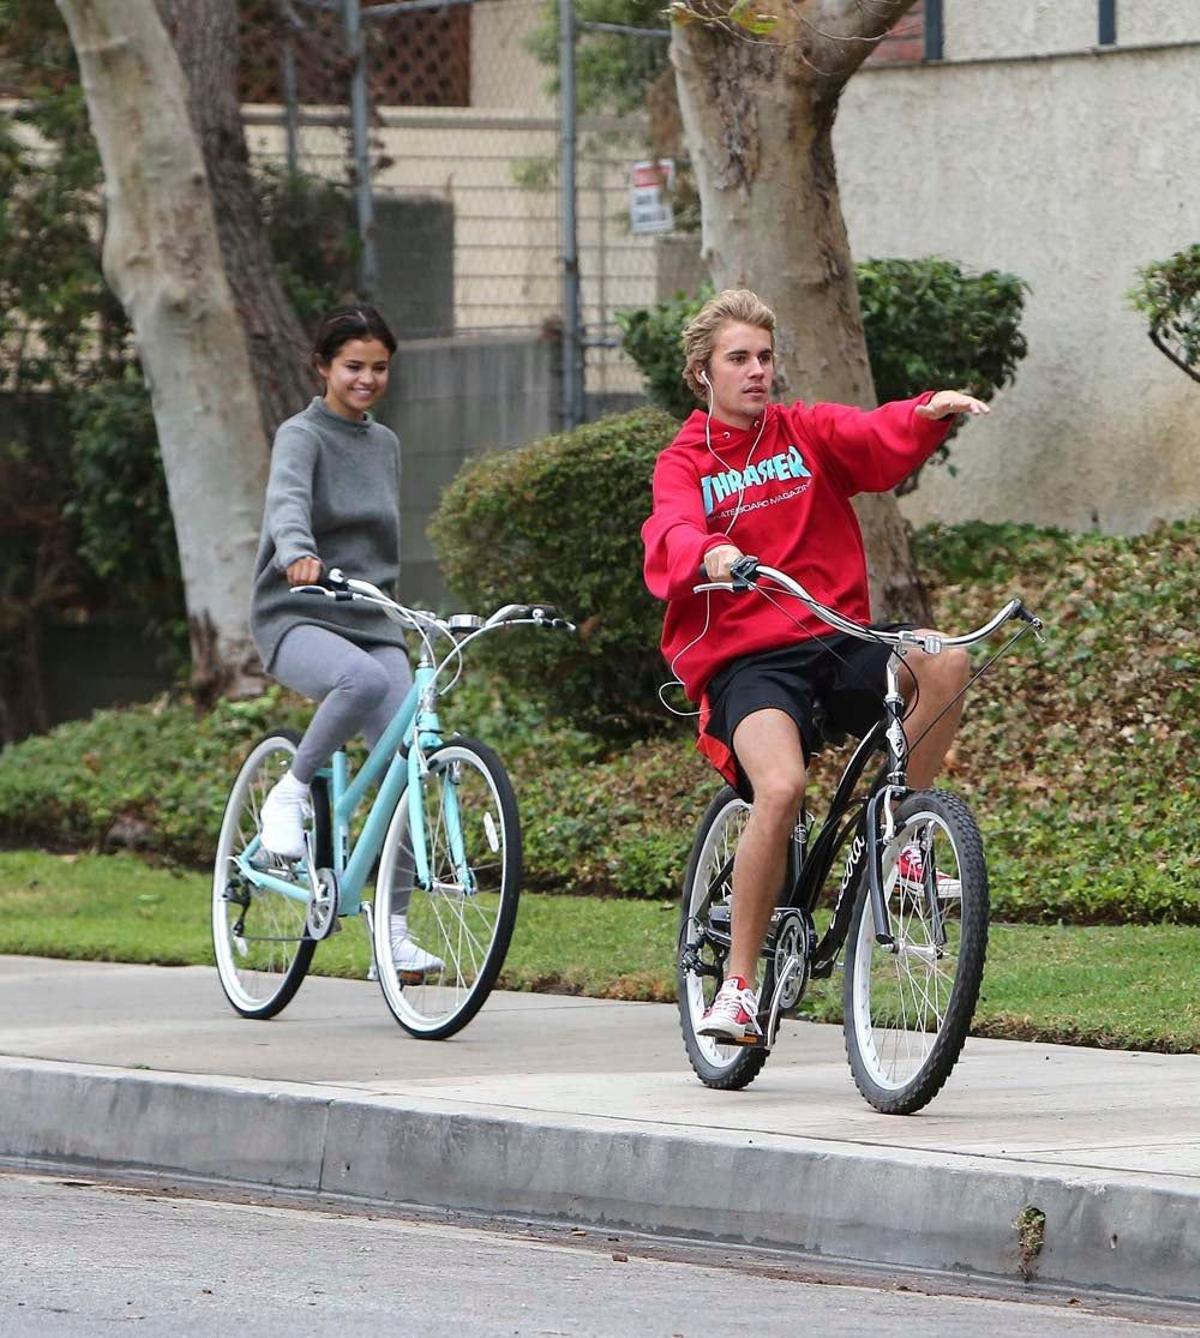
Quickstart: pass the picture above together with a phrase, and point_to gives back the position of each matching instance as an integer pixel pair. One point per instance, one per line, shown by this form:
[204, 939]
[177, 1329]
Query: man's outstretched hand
[947, 402]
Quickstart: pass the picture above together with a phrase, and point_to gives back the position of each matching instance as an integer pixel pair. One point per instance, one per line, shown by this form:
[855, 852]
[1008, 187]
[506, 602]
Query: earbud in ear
[704, 377]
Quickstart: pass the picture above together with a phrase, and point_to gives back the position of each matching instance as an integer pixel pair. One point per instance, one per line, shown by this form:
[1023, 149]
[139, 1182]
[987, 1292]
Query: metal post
[1107, 23]
[368, 272]
[572, 335]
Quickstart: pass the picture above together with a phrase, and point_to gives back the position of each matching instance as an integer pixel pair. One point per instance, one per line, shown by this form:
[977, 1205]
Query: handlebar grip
[323, 590]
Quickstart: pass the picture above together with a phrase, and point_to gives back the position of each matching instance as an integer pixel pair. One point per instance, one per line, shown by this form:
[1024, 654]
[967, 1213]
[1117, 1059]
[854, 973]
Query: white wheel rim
[277, 942]
[457, 927]
[909, 990]
[720, 843]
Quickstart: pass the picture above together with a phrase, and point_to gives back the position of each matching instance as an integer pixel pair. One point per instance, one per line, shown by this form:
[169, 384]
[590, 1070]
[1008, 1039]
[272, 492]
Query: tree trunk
[162, 259]
[205, 36]
[758, 117]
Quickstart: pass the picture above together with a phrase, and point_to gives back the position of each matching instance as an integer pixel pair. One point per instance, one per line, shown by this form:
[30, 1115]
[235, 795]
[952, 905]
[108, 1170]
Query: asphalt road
[79, 1257]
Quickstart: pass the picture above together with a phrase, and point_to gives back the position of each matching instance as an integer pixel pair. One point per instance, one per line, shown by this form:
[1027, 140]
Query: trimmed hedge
[559, 521]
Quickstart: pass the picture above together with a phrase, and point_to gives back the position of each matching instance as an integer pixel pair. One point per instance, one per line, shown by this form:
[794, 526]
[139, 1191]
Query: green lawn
[1131, 986]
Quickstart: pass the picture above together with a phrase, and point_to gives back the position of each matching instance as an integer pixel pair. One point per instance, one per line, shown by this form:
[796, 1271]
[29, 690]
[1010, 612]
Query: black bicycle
[906, 875]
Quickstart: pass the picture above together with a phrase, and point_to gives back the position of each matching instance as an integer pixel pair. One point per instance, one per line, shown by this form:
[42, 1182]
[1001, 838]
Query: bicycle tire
[467, 930]
[260, 973]
[726, 1067]
[907, 1013]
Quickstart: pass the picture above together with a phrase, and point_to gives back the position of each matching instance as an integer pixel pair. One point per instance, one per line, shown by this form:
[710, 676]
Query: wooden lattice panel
[413, 60]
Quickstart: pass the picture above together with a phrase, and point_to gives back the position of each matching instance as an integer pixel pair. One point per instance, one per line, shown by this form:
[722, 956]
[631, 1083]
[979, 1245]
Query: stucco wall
[1071, 172]
[984, 30]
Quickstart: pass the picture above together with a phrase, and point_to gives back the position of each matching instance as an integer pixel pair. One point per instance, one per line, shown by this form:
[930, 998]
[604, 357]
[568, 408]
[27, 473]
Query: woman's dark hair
[343, 324]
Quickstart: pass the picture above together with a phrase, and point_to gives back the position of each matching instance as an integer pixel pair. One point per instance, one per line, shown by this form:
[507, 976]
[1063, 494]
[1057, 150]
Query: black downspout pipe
[934, 30]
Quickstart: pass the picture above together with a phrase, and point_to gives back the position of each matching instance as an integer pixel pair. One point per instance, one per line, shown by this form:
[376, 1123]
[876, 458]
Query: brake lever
[1038, 627]
[743, 572]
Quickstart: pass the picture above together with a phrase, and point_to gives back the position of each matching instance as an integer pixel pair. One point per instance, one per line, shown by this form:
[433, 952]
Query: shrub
[1169, 297]
[927, 325]
[1078, 757]
[652, 336]
[559, 521]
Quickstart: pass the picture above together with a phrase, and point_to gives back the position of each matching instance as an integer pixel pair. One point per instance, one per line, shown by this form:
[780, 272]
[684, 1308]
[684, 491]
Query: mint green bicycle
[443, 825]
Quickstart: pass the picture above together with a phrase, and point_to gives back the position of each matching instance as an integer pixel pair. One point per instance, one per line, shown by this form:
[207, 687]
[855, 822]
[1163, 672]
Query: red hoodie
[781, 491]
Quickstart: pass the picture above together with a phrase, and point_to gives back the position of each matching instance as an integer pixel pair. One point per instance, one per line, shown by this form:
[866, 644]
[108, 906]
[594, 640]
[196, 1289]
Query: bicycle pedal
[746, 1042]
[753, 1043]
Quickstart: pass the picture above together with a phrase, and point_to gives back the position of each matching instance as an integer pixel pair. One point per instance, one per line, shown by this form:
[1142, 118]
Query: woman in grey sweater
[333, 501]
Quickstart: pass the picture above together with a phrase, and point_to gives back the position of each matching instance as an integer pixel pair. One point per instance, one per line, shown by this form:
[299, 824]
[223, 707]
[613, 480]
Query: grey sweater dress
[333, 493]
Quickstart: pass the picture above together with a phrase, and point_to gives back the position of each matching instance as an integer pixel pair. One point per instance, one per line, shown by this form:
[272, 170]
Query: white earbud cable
[675, 680]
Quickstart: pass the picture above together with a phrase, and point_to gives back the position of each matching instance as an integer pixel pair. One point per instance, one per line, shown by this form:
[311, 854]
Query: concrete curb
[1102, 1229]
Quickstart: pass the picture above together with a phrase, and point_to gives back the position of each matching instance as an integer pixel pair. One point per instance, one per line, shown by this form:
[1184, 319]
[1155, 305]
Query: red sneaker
[912, 873]
[733, 1016]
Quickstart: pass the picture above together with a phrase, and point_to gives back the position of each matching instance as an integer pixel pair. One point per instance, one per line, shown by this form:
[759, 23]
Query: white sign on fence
[650, 188]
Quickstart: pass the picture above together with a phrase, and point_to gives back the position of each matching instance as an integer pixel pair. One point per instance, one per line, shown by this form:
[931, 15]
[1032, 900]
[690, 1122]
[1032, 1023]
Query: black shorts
[833, 684]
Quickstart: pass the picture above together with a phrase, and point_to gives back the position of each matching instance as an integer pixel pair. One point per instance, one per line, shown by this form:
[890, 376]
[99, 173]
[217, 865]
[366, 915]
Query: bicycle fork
[449, 817]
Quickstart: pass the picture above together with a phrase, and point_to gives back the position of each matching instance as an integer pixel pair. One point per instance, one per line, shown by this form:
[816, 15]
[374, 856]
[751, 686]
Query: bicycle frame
[398, 757]
[891, 786]
[400, 763]
[808, 881]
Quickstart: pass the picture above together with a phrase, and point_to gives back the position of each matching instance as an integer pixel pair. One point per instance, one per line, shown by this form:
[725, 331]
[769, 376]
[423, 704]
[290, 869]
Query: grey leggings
[359, 688]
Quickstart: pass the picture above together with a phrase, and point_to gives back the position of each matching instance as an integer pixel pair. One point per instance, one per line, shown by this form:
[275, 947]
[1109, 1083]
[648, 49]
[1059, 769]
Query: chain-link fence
[463, 153]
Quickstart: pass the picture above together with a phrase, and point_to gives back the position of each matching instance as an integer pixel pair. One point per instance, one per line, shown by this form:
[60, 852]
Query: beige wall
[1149, 21]
[1070, 172]
[978, 29]
[503, 73]
[986, 30]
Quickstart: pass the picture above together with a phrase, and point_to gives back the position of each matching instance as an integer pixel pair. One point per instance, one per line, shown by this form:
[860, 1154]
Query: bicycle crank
[322, 918]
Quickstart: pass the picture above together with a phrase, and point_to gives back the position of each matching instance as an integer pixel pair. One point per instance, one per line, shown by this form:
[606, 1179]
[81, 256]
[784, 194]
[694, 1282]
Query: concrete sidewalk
[586, 1109]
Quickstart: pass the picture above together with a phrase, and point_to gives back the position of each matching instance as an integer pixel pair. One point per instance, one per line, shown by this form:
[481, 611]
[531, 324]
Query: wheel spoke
[261, 966]
[466, 929]
[908, 1007]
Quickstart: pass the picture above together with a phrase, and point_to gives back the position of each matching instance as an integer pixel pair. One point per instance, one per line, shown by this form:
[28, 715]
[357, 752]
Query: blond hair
[700, 333]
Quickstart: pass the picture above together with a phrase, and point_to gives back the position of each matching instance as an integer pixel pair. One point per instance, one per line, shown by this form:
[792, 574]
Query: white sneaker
[733, 1016]
[283, 814]
[410, 959]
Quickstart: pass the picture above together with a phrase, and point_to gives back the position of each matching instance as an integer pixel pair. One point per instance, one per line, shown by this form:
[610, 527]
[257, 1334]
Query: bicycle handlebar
[341, 587]
[746, 571]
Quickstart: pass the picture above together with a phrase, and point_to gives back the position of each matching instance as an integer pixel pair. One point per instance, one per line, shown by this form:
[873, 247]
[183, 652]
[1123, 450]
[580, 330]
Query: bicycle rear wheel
[708, 886]
[464, 919]
[261, 946]
[907, 1011]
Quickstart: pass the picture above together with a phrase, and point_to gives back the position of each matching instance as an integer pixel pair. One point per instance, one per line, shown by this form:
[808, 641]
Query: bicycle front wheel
[260, 941]
[908, 1007]
[439, 947]
[708, 891]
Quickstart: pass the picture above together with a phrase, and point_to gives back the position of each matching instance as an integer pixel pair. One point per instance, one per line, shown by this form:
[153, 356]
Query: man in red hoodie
[775, 481]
